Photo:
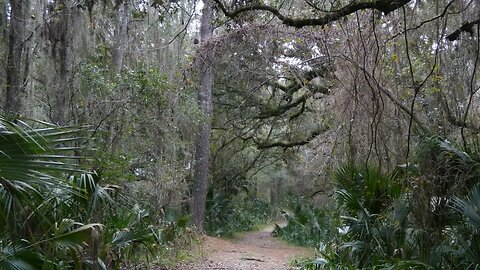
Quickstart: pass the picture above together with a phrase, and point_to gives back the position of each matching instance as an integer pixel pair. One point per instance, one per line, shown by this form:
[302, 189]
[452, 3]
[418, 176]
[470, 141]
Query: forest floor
[256, 250]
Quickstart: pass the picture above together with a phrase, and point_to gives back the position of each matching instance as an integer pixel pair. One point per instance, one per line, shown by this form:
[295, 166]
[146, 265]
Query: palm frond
[31, 155]
[469, 207]
[17, 257]
[30, 163]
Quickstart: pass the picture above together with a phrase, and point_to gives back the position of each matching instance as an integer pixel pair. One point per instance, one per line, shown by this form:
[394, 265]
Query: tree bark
[61, 62]
[120, 36]
[59, 32]
[3, 21]
[17, 59]
[202, 151]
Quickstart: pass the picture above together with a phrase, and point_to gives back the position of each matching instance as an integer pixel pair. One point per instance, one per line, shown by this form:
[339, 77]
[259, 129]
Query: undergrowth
[421, 216]
[227, 215]
[307, 225]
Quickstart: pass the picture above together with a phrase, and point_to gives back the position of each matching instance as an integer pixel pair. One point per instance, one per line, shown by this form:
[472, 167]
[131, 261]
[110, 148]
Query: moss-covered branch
[385, 6]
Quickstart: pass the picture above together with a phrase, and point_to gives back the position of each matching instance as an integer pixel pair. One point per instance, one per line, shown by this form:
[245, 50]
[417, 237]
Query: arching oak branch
[385, 6]
[289, 144]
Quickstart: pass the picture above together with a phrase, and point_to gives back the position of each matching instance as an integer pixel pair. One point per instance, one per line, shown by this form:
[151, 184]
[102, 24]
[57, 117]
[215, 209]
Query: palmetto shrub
[367, 188]
[40, 227]
[56, 215]
[466, 243]
[365, 197]
[419, 217]
[307, 224]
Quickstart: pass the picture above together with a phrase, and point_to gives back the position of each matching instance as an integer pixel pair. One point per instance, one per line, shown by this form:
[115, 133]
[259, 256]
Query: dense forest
[130, 128]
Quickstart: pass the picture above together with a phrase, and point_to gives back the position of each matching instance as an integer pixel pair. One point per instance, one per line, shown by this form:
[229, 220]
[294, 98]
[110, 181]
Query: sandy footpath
[251, 251]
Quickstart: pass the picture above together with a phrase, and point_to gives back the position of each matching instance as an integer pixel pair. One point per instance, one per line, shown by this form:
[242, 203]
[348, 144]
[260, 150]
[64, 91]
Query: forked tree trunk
[202, 151]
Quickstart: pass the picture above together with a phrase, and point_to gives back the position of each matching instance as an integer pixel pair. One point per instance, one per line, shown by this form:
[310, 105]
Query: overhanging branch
[283, 108]
[466, 27]
[285, 144]
[385, 6]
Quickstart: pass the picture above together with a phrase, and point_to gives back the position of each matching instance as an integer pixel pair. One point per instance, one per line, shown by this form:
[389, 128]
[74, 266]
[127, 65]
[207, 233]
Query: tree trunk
[60, 56]
[120, 36]
[3, 22]
[202, 151]
[17, 59]
[120, 40]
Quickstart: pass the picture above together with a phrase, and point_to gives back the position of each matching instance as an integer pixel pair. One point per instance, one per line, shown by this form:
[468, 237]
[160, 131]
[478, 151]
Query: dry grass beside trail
[250, 251]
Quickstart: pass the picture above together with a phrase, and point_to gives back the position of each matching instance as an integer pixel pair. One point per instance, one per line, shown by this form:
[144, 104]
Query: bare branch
[466, 27]
[441, 15]
[452, 119]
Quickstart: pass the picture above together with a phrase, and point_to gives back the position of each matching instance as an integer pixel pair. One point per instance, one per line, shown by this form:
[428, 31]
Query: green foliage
[366, 187]
[307, 225]
[467, 238]
[446, 168]
[55, 215]
[127, 237]
[141, 122]
[114, 166]
[35, 217]
[226, 215]
[18, 257]
[410, 219]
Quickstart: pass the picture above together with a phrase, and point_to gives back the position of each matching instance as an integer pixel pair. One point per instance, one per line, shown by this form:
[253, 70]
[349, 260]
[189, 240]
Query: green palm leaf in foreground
[31, 162]
[35, 163]
[32, 155]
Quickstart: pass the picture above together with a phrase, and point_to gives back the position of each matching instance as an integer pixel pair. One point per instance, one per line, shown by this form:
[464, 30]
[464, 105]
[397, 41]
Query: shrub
[226, 215]
[307, 225]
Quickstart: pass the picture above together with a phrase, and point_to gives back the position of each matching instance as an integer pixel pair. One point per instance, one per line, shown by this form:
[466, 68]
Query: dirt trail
[251, 251]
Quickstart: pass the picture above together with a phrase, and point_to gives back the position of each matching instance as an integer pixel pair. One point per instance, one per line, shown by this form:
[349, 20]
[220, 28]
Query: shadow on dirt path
[256, 250]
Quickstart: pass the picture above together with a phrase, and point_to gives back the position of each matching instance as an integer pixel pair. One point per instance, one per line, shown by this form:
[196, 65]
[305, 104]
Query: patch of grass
[171, 257]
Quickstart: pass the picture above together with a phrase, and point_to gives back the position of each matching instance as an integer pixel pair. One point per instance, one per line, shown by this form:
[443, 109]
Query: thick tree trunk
[203, 137]
[17, 59]
[60, 56]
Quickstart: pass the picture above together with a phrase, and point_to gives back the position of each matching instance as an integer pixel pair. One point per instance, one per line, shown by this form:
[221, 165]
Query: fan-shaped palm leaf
[367, 186]
[470, 207]
[91, 193]
[32, 186]
[30, 163]
[17, 257]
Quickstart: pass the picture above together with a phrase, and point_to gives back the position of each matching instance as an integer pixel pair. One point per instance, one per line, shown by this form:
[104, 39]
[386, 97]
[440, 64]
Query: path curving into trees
[250, 251]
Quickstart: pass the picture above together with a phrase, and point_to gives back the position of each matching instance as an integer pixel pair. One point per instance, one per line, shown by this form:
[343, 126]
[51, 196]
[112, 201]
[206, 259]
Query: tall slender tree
[120, 36]
[202, 151]
[18, 54]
